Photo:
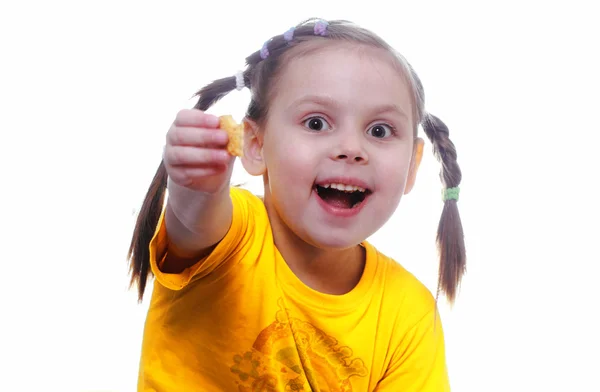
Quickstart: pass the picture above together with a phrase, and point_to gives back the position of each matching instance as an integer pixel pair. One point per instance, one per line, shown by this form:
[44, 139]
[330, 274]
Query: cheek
[392, 181]
[289, 163]
[393, 172]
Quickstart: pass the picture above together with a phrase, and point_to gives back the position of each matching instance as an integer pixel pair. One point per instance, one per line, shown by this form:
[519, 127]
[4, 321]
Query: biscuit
[236, 135]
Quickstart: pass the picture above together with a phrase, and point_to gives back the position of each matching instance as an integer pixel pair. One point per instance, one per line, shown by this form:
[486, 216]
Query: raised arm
[196, 169]
[199, 169]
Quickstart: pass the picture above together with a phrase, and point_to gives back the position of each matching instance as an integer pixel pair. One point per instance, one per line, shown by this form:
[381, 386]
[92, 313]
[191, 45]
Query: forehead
[345, 71]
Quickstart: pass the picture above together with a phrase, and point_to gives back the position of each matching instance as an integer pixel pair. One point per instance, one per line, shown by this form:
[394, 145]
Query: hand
[195, 154]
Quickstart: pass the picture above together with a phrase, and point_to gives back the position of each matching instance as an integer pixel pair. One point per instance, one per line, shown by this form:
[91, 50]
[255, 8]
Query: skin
[362, 105]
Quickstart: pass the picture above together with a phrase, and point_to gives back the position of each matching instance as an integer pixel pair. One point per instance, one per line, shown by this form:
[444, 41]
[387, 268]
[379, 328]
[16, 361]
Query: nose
[350, 148]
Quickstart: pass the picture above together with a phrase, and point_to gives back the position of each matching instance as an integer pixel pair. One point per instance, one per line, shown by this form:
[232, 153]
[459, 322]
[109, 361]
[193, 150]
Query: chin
[334, 239]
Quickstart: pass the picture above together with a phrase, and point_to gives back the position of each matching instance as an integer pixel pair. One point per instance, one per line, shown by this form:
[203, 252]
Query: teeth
[344, 188]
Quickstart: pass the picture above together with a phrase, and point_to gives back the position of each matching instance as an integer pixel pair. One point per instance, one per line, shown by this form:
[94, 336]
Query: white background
[87, 93]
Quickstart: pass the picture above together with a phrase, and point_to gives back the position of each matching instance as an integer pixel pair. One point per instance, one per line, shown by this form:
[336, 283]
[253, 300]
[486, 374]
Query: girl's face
[338, 148]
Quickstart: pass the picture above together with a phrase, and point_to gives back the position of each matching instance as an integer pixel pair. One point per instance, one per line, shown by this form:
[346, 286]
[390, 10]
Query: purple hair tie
[289, 35]
[321, 28]
[264, 51]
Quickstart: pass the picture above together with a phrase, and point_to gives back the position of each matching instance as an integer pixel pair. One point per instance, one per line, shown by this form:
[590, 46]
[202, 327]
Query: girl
[284, 293]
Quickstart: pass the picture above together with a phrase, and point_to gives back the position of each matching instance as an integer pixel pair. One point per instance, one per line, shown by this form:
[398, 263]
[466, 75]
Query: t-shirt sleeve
[237, 235]
[419, 361]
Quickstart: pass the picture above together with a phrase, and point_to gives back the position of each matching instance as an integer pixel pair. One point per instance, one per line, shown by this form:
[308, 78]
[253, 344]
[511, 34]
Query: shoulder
[246, 201]
[249, 215]
[401, 291]
[401, 281]
[413, 331]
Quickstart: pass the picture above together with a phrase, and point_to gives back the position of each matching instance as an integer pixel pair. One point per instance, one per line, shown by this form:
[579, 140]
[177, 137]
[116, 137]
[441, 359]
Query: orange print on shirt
[293, 355]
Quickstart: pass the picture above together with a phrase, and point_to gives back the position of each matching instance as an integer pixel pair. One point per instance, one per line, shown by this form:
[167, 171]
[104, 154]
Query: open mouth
[342, 196]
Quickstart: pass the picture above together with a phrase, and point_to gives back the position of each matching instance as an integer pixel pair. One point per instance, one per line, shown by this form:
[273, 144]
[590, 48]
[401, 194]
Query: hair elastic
[289, 35]
[239, 80]
[450, 193]
[264, 51]
[321, 28]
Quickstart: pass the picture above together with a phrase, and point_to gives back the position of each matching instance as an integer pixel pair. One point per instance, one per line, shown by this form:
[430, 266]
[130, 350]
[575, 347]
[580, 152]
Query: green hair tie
[450, 193]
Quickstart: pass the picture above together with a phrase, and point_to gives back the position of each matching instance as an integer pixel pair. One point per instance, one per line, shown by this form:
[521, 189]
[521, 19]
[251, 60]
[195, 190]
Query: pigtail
[213, 92]
[450, 237]
[145, 225]
[152, 206]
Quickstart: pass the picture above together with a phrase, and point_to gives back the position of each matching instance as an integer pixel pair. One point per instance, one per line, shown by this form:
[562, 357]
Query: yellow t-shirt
[240, 320]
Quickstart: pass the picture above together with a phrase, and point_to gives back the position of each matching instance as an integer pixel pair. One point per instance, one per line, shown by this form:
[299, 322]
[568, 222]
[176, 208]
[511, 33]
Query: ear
[415, 162]
[253, 160]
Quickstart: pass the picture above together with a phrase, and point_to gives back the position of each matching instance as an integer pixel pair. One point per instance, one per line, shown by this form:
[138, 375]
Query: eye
[381, 131]
[316, 124]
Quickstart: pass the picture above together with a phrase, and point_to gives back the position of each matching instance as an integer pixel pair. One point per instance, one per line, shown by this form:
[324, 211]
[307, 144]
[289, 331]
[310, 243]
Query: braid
[450, 237]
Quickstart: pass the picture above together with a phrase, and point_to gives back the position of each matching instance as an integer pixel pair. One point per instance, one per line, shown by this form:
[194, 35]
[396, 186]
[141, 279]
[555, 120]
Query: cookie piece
[236, 135]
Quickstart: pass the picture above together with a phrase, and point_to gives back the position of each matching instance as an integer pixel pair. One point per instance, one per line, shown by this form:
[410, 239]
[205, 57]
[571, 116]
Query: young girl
[283, 293]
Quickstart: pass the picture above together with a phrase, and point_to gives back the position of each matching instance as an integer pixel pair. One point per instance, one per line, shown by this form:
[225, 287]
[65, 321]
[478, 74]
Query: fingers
[201, 137]
[192, 144]
[195, 156]
[189, 176]
[196, 118]
[195, 153]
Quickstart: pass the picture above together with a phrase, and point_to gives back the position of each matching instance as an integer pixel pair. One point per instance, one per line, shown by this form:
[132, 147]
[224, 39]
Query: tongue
[336, 198]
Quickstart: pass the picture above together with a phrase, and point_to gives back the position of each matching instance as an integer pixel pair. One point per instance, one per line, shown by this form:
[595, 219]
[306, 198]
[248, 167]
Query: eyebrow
[329, 102]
